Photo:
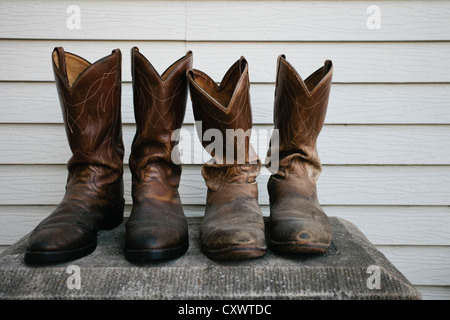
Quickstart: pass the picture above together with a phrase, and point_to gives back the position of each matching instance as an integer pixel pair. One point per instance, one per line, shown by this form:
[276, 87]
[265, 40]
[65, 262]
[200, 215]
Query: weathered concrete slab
[352, 269]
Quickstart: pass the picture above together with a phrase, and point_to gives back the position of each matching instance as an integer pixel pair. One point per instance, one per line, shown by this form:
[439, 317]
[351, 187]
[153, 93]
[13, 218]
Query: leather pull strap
[62, 60]
[280, 57]
[118, 55]
[327, 66]
[242, 64]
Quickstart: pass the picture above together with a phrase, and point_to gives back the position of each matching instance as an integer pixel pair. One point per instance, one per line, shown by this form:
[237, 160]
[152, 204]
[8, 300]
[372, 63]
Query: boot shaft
[224, 112]
[159, 107]
[90, 98]
[300, 108]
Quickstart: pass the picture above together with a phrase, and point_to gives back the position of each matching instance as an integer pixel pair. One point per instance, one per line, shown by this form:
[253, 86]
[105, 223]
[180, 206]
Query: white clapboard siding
[348, 104]
[337, 144]
[398, 225]
[354, 62]
[430, 292]
[415, 263]
[98, 20]
[226, 20]
[305, 20]
[36, 64]
[338, 185]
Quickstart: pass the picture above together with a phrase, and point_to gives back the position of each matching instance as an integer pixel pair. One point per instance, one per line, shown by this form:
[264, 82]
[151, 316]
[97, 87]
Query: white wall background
[385, 145]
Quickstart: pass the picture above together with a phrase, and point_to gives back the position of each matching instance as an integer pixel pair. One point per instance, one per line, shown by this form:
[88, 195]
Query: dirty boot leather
[90, 97]
[298, 223]
[157, 227]
[233, 225]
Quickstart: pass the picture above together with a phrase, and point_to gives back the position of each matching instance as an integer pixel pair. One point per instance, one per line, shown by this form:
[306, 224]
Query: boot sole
[133, 255]
[297, 247]
[235, 252]
[110, 222]
[37, 257]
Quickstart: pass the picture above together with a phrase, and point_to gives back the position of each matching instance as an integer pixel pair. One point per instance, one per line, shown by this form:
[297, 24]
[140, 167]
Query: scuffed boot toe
[301, 235]
[234, 243]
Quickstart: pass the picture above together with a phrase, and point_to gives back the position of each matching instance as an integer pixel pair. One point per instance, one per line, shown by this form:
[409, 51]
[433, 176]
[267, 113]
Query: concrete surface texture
[352, 269]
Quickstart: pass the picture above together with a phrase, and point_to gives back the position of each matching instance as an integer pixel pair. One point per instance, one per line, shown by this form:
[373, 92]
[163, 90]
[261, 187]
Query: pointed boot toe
[300, 235]
[233, 242]
[145, 243]
[58, 244]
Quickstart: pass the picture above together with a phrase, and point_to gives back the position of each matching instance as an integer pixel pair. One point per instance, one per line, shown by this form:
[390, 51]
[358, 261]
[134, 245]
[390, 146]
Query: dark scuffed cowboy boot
[298, 223]
[233, 225]
[157, 227]
[90, 101]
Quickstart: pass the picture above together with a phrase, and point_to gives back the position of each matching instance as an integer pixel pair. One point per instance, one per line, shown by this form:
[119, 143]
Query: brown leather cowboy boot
[233, 225]
[157, 227]
[298, 223]
[90, 101]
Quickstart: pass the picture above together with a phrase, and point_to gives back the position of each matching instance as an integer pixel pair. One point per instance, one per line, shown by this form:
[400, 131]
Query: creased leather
[298, 222]
[233, 226]
[157, 220]
[90, 104]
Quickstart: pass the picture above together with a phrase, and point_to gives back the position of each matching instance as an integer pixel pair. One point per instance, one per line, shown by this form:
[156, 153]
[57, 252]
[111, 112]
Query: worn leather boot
[233, 225]
[90, 101]
[298, 223]
[157, 227]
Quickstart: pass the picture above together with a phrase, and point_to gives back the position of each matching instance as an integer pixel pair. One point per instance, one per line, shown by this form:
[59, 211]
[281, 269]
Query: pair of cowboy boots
[233, 226]
[90, 98]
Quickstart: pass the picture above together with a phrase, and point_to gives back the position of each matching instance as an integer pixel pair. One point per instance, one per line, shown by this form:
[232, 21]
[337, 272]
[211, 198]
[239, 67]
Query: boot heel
[113, 219]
